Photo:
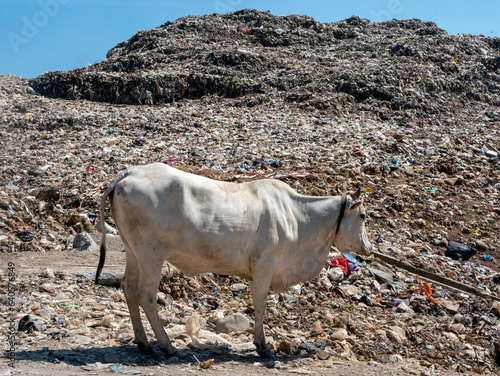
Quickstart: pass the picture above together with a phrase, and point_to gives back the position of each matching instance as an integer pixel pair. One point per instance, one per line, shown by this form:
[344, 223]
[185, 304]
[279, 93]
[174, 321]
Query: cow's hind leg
[259, 289]
[130, 282]
[149, 280]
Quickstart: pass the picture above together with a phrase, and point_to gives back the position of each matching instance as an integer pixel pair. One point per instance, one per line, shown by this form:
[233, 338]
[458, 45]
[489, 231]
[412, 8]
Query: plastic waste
[25, 236]
[26, 324]
[341, 263]
[296, 289]
[458, 251]
[351, 258]
[352, 267]
[335, 274]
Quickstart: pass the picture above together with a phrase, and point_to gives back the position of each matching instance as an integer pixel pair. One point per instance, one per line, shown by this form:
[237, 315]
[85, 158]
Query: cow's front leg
[149, 280]
[259, 289]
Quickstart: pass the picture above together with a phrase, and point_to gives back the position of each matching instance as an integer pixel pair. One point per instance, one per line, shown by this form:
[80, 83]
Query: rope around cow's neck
[342, 212]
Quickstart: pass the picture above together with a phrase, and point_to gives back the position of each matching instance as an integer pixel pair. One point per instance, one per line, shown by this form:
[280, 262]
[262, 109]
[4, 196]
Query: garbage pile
[410, 68]
[426, 154]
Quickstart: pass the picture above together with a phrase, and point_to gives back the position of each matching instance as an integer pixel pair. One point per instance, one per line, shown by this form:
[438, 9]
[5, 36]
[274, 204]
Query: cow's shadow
[130, 356]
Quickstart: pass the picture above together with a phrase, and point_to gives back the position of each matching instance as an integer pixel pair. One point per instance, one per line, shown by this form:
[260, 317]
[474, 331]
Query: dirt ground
[54, 357]
[227, 366]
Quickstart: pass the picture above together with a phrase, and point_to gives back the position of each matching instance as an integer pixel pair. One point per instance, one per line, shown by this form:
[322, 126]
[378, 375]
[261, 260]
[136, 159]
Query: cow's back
[199, 224]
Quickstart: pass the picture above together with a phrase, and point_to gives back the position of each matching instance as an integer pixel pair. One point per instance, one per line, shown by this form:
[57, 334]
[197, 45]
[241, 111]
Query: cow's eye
[363, 216]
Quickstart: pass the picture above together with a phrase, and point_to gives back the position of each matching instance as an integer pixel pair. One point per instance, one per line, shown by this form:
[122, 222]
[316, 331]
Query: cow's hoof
[171, 351]
[265, 353]
[144, 348]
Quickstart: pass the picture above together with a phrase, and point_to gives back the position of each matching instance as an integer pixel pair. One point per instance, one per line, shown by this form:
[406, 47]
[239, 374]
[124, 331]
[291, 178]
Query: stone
[83, 242]
[339, 334]
[450, 181]
[48, 273]
[289, 348]
[107, 321]
[323, 279]
[395, 358]
[318, 328]
[444, 242]
[309, 347]
[118, 296]
[48, 287]
[236, 322]
[322, 355]
[481, 245]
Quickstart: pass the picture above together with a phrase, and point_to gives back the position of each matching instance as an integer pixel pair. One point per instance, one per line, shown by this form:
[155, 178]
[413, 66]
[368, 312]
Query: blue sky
[44, 35]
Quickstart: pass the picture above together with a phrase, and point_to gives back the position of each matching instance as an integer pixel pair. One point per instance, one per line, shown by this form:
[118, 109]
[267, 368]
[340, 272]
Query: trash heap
[410, 68]
[400, 108]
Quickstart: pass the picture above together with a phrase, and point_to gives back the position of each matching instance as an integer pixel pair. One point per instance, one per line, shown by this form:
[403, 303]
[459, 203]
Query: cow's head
[351, 233]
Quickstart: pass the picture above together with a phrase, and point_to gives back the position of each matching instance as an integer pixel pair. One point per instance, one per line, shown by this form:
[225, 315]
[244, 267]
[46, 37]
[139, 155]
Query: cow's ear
[355, 204]
[356, 194]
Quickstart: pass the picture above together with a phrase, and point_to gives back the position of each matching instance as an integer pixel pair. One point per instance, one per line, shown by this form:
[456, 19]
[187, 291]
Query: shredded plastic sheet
[387, 278]
[341, 263]
[425, 289]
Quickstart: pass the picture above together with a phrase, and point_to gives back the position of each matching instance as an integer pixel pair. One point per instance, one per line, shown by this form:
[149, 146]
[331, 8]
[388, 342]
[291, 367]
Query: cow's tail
[102, 256]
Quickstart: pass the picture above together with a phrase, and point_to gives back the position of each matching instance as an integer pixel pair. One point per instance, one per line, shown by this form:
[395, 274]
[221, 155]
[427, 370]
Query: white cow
[262, 231]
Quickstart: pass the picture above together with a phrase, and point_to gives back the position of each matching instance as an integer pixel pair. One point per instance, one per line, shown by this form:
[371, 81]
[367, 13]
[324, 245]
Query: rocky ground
[400, 108]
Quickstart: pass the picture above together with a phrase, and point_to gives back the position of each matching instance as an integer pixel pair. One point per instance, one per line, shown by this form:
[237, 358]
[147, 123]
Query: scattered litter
[400, 108]
[116, 369]
[458, 251]
[25, 236]
[26, 324]
[206, 364]
[341, 263]
[350, 258]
